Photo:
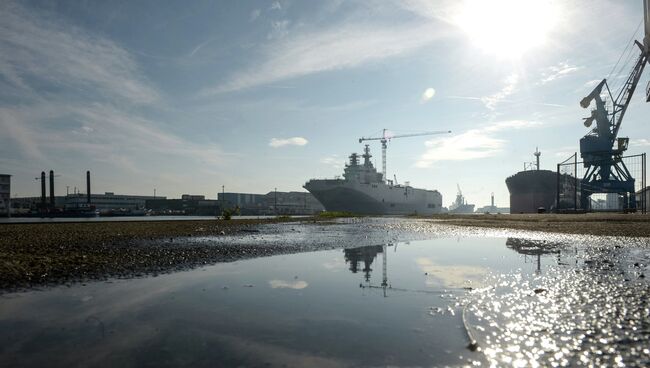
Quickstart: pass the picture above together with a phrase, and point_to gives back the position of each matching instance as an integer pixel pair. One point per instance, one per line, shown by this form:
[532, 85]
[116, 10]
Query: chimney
[43, 183]
[52, 188]
[492, 199]
[88, 186]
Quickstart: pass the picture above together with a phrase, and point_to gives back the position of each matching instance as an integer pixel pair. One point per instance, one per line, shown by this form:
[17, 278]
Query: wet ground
[360, 292]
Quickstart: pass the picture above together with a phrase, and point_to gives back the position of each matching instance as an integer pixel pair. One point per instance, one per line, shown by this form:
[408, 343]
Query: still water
[404, 304]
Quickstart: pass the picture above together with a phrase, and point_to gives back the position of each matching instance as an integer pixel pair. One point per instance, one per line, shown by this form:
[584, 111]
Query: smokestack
[492, 199]
[52, 188]
[88, 185]
[43, 188]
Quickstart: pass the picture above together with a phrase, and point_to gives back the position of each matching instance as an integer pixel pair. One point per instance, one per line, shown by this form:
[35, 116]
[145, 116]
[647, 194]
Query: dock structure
[5, 195]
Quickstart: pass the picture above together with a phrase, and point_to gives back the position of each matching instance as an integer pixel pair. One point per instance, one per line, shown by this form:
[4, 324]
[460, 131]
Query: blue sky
[186, 97]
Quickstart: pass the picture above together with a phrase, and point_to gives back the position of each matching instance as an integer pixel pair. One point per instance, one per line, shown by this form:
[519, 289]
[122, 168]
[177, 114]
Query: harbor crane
[601, 149]
[385, 138]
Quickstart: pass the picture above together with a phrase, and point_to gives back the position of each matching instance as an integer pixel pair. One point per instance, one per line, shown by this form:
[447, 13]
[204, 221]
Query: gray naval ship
[363, 190]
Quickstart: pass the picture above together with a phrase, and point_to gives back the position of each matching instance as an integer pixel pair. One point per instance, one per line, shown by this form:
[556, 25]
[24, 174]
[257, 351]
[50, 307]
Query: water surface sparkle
[526, 301]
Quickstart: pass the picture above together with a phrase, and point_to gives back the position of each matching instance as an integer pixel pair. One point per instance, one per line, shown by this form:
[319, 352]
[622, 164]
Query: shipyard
[327, 184]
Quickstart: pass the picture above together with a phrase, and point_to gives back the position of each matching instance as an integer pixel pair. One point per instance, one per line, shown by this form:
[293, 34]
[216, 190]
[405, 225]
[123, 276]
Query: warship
[363, 190]
[460, 205]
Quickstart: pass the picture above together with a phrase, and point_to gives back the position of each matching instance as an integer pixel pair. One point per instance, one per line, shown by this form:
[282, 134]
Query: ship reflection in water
[290, 310]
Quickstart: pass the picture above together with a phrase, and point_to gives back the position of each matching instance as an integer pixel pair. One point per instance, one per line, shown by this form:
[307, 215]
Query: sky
[190, 96]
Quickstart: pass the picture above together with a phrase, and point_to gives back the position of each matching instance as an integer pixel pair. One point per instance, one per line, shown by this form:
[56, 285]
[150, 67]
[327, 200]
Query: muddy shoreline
[33, 255]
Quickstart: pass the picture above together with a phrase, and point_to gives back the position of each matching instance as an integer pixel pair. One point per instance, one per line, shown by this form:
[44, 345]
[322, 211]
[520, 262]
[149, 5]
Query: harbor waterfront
[307, 279]
[53, 253]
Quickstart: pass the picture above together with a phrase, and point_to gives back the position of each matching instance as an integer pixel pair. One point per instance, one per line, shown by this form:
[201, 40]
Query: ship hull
[374, 198]
[532, 190]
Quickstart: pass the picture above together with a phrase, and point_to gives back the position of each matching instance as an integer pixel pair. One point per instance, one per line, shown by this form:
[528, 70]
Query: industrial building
[104, 203]
[643, 198]
[271, 203]
[109, 201]
[195, 205]
[5, 195]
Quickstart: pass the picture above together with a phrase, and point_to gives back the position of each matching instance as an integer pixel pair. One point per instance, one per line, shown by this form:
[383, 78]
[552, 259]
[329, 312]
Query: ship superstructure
[363, 190]
[460, 205]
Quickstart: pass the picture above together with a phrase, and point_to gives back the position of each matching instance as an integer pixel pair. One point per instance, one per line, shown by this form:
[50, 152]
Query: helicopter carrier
[363, 190]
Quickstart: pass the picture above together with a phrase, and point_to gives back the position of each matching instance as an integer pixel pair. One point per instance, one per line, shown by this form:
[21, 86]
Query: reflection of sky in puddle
[295, 310]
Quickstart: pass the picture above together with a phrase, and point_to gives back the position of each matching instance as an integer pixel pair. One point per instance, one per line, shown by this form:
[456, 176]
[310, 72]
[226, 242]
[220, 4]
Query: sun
[507, 28]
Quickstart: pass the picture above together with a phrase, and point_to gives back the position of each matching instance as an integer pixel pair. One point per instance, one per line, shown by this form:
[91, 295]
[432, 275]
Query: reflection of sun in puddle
[451, 276]
[282, 284]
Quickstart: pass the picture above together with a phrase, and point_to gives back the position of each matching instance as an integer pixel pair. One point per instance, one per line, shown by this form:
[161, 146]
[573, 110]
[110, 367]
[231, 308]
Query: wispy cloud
[255, 13]
[642, 142]
[338, 47]
[334, 161]
[470, 145]
[558, 71]
[493, 100]
[279, 29]
[39, 51]
[293, 141]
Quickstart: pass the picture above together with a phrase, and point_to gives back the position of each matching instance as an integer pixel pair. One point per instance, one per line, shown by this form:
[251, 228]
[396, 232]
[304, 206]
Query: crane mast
[385, 138]
[601, 149]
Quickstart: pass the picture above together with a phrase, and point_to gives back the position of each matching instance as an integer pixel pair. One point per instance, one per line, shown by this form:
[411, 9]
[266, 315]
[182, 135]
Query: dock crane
[601, 149]
[385, 138]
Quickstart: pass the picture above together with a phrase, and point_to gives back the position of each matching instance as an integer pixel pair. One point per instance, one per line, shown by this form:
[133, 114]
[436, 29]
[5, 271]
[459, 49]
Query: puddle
[402, 304]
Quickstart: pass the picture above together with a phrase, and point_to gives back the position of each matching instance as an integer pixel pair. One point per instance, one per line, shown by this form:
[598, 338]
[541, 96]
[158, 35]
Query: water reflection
[535, 248]
[294, 310]
[367, 255]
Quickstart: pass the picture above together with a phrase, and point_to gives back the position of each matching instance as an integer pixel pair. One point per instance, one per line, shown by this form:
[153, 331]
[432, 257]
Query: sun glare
[507, 28]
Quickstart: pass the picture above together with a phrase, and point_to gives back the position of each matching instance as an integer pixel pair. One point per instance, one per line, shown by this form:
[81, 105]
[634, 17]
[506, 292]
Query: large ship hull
[374, 198]
[532, 190]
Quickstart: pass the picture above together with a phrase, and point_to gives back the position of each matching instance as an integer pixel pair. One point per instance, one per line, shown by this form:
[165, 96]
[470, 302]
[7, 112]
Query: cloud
[15, 129]
[558, 71]
[592, 83]
[338, 47]
[293, 141]
[276, 6]
[470, 145]
[254, 15]
[642, 142]
[510, 85]
[278, 29]
[427, 95]
[38, 52]
[282, 284]
[334, 161]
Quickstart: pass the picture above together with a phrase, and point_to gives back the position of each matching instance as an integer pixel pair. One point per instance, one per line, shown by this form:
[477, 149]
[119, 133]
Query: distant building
[5, 195]
[643, 198]
[285, 203]
[191, 197]
[186, 205]
[106, 202]
[243, 200]
[109, 201]
[493, 209]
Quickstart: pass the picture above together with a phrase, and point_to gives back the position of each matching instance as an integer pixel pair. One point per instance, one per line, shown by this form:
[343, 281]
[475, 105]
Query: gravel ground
[50, 254]
[606, 224]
